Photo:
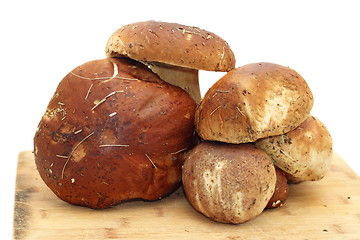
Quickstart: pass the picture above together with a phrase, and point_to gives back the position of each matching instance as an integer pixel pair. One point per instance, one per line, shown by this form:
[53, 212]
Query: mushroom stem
[185, 78]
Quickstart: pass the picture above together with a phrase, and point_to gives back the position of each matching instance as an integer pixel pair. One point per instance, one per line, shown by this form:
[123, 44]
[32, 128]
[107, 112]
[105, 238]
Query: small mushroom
[228, 183]
[252, 102]
[304, 153]
[114, 131]
[281, 192]
[175, 52]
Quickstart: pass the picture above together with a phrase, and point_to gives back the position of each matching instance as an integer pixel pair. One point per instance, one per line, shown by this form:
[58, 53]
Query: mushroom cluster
[257, 135]
[134, 126]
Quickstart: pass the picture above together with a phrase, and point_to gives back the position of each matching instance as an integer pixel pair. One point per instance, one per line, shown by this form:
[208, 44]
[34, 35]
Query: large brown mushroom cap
[304, 153]
[228, 183]
[113, 131]
[172, 44]
[253, 101]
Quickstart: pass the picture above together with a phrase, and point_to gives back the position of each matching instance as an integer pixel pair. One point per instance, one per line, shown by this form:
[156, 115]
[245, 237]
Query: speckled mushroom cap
[172, 44]
[229, 183]
[252, 102]
[305, 153]
[113, 131]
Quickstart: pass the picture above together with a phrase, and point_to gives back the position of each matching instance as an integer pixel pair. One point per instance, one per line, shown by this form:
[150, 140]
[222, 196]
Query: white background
[41, 41]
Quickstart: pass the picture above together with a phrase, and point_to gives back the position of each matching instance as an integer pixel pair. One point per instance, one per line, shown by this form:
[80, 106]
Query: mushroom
[173, 51]
[281, 191]
[114, 131]
[252, 102]
[228, 183]
[304, 153]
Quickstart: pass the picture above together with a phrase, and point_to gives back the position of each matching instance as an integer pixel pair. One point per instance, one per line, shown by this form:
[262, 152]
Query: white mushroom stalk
[185, 78]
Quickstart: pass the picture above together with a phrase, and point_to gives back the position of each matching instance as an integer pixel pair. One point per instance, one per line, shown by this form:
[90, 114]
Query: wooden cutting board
[327, 209]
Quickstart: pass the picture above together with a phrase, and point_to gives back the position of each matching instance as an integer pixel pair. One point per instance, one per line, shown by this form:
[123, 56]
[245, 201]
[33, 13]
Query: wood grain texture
[327, 209]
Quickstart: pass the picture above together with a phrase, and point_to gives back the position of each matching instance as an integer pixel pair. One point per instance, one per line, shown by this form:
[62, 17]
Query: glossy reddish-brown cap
[113, 131]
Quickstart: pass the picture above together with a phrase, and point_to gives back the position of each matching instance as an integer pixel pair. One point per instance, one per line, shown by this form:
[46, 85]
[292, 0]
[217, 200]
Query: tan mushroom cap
[172, 44]
[253, 101]
[228, 183]
[305, 153]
